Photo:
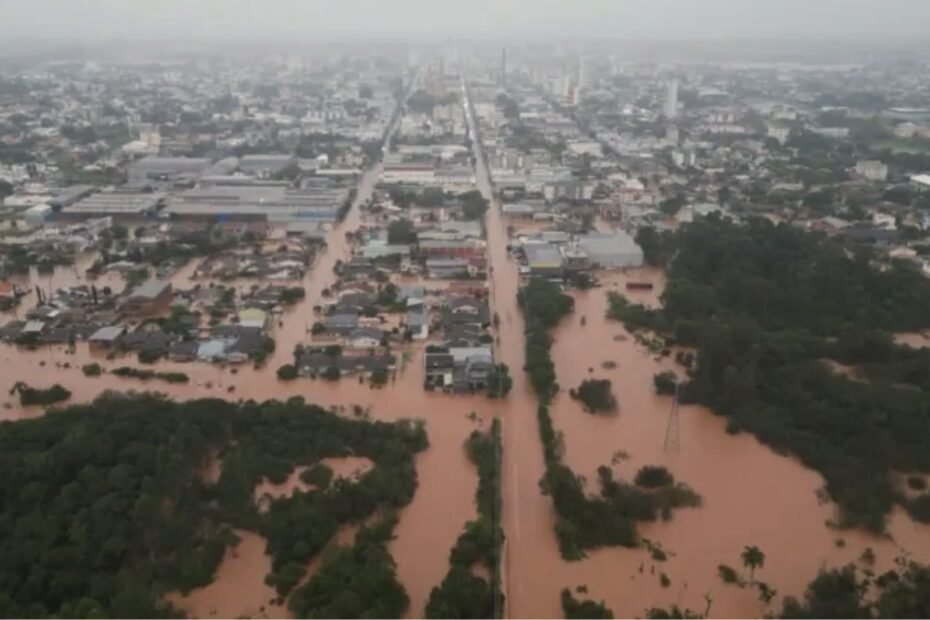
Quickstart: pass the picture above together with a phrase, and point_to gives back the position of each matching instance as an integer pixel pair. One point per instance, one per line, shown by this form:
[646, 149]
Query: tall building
[671, 100]
[581, 81]
[503, 75]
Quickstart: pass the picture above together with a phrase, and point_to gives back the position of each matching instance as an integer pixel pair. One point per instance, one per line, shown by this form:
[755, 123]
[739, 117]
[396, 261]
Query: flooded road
[751, 496]
[429, 525]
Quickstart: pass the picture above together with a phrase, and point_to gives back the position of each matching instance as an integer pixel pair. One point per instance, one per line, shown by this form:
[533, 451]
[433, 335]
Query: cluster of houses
[155, 321]
[284, 263]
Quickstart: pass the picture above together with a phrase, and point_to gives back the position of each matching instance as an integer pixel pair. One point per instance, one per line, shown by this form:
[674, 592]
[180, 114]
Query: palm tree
[753, 558]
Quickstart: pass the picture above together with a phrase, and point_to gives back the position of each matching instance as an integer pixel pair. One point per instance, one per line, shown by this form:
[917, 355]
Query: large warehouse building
[611, 250]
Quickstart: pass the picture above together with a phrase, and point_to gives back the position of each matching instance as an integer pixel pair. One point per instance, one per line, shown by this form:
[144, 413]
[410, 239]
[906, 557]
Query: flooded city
[369, 263]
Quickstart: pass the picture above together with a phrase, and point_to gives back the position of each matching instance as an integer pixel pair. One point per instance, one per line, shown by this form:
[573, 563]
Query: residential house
[446, 268]
[364, 338]
[106, 337]
[184, 351]
[150, 298]
[438, 365]
[212, 350]
[451, 248]
[253, 317]
[340, 324]
[417, 322]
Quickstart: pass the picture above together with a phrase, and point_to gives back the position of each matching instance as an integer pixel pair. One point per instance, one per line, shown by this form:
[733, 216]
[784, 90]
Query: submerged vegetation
[574, 608]
[848, 592]
[114, 487]
[146, 375]
[462, 594]
[764, 305]
[40, 396]
[596, 395]
[583, 521]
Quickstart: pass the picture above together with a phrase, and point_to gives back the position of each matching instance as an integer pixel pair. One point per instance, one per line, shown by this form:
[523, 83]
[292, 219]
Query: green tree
[666, 383]
[287, 372]
[401, 232]
[832, 594]
[752, 558]
[499, 381]
[574, 608]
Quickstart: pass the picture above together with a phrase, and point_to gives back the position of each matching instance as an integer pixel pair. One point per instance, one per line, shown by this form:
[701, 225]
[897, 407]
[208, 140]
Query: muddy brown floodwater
[239, 589]
[751, 496]
[350, 467]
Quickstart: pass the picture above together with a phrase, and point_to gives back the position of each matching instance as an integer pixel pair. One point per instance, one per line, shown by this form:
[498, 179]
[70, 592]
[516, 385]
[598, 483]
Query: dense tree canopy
[763, 305]
[103, 508]
[401, 232]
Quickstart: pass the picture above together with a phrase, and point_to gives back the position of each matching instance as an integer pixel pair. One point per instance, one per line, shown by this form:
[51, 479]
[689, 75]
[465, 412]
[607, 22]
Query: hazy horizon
[89, 20]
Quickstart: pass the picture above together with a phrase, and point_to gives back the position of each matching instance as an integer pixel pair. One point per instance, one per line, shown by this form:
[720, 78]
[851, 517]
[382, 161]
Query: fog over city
[81, 19]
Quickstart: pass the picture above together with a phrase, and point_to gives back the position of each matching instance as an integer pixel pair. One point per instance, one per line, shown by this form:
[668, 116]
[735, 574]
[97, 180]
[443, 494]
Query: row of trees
[462, 594]
[763, 305]
[103, 509]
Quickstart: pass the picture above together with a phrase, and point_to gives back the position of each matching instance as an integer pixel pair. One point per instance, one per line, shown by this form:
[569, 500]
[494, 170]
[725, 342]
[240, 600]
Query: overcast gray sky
[571, 18]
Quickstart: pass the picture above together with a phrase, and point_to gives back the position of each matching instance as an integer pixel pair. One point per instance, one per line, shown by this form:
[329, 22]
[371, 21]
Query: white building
[872, 170]
[611, 251]
[921, 182]
[671, 100]
[779, 133]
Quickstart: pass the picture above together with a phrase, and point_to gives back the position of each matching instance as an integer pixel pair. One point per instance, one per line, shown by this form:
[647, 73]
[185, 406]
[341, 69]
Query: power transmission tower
[672, 428]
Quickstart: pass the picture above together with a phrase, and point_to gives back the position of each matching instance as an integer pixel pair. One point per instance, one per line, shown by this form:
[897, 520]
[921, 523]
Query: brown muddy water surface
[751, 496]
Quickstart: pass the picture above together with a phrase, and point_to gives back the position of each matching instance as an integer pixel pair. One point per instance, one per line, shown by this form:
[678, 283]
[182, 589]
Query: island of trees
[764, 305]
[596, 395]
[103, 508]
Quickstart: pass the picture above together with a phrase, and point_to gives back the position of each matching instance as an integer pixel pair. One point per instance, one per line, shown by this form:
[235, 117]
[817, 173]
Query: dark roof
[356, 299]
[348, 363]
[188, 348]
[340, 320]
[236, 331]
[437, 361]
[12, 329]
[247, 343]
[367, 332]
